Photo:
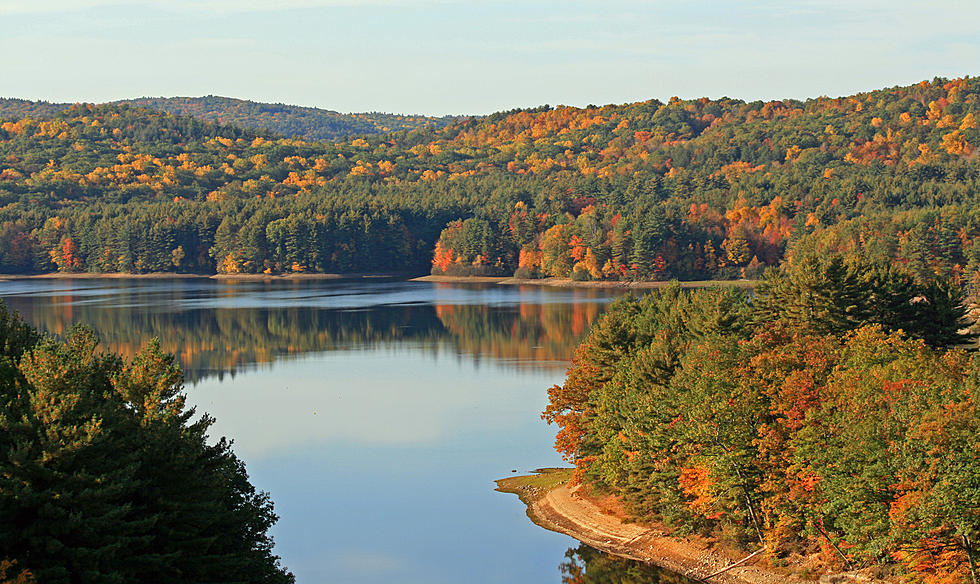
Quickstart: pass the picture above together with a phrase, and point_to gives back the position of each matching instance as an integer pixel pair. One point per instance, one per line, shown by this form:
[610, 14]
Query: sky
[439, 57]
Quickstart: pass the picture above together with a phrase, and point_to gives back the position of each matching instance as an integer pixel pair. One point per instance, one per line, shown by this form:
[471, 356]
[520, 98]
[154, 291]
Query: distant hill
[688, 189]
[15, 109]
[289, 120]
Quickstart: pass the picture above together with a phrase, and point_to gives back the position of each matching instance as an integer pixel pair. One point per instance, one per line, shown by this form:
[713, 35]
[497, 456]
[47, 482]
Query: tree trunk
[968, 546]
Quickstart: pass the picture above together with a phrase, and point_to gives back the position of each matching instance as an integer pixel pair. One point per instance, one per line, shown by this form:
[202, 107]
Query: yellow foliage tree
[955, 143]
[229, 265]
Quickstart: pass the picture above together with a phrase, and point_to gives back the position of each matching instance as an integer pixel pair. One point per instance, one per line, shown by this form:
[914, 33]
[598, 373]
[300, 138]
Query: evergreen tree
[105, 477]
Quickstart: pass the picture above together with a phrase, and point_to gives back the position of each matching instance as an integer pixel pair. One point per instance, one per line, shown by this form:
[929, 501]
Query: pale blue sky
[478, 56]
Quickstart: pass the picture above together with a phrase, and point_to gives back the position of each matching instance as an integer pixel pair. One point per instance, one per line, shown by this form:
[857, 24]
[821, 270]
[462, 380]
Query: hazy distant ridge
[289, 120]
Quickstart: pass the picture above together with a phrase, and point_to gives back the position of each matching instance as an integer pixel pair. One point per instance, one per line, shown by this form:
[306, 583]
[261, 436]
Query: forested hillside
[827, 419]
[687, 189]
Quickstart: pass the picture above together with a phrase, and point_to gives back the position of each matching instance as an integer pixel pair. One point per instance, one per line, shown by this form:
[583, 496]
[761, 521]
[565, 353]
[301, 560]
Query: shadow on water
[585, 565]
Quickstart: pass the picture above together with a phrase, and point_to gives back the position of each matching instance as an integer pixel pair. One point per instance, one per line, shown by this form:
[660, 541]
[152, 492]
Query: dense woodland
[689, 189]
[106, 476]
[829, 418]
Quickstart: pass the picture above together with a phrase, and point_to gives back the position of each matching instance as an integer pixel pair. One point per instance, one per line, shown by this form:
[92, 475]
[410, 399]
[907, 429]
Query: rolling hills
[687, 189]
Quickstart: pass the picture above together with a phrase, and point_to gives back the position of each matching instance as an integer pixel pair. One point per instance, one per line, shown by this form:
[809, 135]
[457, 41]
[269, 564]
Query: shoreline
[498, 280]
[569, 283]
[177, 276]
[556, 506]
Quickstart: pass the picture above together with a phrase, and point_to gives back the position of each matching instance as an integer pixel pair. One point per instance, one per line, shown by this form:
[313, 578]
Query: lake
[376, 413]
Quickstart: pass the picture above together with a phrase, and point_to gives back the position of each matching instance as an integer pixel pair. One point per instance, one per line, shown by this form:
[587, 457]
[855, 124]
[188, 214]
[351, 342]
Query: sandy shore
[563, 509]
[568, 283]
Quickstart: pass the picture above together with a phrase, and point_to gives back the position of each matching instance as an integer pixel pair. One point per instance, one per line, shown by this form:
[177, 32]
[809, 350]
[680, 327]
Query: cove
[376, 414]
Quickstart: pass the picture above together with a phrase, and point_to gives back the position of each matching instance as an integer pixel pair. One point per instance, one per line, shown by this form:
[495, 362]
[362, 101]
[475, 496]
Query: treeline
[827, 418]
[652, 241]
[684, 189]
[106, 476]
[240, 236]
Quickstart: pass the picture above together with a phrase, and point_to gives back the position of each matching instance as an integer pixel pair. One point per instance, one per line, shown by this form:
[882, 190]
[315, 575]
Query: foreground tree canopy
[829, 417]
[687, 189]
[105, 475]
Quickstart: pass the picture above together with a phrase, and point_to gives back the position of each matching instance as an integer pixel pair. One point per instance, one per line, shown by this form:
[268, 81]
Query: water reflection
[376, 414]
[217, 328]
[585, 565]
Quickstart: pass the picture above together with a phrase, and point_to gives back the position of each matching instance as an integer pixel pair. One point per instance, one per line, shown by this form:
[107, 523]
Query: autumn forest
[689, 189]
[829, 415]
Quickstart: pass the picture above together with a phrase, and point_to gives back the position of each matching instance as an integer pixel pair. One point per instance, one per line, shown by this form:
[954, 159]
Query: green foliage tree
[818, 414]
[105, 477]
[835, 294]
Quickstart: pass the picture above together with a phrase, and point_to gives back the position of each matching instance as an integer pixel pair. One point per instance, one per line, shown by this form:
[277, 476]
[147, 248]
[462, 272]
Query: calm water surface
[377, 414]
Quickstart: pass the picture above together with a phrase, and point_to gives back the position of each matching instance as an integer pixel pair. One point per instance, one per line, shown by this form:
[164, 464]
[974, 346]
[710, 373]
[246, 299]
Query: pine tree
[105, 476]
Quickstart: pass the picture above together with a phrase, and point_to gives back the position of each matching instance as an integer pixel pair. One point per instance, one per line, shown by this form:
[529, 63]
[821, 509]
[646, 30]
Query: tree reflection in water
[586, 565]
[216, 329]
